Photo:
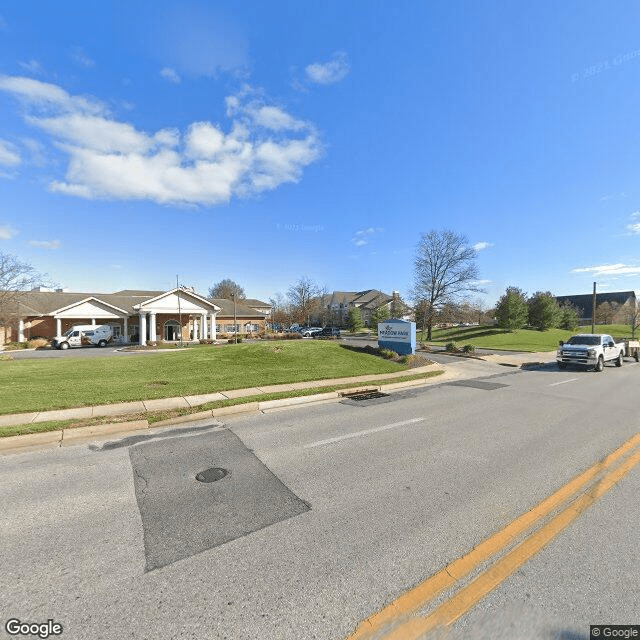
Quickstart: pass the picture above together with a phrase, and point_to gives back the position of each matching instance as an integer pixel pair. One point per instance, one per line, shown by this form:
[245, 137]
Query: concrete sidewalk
[79, 435]
[189, 402]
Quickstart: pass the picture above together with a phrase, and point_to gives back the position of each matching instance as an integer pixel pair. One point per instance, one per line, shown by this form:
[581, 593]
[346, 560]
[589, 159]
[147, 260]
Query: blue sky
[264, 142]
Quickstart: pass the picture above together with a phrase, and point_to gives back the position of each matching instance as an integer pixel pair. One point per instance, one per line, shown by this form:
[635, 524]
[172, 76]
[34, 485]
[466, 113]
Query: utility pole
[179, 309]
[235, 321]
[593, 310]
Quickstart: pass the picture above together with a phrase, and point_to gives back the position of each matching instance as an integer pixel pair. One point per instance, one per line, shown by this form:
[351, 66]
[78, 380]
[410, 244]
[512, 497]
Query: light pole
[235, 321]
[593, 310]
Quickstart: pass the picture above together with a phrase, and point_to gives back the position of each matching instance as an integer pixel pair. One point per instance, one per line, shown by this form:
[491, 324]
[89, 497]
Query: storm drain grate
[211, 475]
[365, 395]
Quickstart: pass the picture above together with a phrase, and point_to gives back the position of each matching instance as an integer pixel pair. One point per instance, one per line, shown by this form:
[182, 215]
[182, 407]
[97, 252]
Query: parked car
[308, 332]
[328, 332]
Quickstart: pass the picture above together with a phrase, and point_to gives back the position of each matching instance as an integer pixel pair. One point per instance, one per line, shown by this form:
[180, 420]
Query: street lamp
[235, 321]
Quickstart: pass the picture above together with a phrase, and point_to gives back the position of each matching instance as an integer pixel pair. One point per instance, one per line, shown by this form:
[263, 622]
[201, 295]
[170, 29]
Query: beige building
[335, 307]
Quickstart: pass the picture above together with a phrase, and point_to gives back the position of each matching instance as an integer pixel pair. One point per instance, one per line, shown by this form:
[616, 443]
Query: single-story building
[135, 316]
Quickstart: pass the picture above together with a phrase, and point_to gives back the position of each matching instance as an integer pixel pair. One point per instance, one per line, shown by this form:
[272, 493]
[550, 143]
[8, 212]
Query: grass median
[158, 416]
[61, 383]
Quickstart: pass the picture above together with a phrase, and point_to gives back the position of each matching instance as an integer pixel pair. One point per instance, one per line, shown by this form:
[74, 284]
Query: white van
[85, 335]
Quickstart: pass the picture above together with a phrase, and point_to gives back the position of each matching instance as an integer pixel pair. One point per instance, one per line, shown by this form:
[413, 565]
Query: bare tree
[280, 310]
[304, 297]
[226, 289]
[444, 270]
[16, 280]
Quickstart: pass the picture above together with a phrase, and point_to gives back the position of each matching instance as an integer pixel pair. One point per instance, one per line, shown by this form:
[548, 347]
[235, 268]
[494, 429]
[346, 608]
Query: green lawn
[57, 383]
[529, 340]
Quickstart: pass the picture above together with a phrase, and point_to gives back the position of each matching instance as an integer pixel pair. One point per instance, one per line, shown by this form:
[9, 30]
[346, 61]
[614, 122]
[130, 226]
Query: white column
[58, 328]
[126, 329]
[203, 323]
[143, 328]
[93, 321]
[21, 330]
[152, 325]
[213, 325]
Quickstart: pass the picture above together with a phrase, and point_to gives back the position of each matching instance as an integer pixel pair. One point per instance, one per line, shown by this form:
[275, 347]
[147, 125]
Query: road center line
[399, 611]
[358, 434]
[555, 384]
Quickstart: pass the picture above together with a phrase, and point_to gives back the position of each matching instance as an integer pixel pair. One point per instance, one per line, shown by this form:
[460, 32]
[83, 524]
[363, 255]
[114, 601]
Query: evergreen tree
[512, 311]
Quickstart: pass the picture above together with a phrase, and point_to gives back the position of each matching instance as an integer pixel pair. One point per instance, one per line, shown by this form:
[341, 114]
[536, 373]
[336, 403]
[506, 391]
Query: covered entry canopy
[176, 303]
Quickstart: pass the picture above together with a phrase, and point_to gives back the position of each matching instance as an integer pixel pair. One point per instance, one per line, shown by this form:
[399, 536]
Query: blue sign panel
[397, 335]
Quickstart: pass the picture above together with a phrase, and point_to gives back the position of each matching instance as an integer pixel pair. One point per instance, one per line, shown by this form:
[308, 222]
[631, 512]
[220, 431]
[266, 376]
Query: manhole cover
[211, 475]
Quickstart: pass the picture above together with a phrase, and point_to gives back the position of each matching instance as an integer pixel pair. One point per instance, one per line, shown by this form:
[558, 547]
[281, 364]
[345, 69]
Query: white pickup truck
[590, 350]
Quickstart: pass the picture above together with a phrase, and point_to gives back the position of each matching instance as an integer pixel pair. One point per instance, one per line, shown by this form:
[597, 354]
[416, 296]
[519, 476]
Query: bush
[14, 346]
[388, 354]
[37, 343]
[451, 347]
[468, 348]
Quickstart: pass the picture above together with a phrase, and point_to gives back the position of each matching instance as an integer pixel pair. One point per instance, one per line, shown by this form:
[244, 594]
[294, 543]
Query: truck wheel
[600, 364]
[102, 343]
[619, 360]
[64, 345]
[637, 356]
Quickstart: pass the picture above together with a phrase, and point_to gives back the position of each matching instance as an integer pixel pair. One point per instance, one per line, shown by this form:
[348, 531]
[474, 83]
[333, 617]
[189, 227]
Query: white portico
[171, 307]
[90, 310]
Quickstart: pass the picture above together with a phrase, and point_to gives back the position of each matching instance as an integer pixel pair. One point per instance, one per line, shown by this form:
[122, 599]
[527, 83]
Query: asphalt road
[329, 513]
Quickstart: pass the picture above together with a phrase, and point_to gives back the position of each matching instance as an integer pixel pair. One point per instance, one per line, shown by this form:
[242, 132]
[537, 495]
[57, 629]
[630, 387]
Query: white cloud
[46, 244]
[171, 75]
[8, 154]
[79, 56]
[44, 94]
[479, 246]
[634, 228]
[609, 270]
[6, 232]
[276, 119]
[32, 66]
[330, 72]
[264, 148]
[362, 237]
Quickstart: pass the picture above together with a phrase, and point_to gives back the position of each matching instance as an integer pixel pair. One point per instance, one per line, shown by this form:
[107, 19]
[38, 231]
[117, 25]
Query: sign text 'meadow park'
[397, 335]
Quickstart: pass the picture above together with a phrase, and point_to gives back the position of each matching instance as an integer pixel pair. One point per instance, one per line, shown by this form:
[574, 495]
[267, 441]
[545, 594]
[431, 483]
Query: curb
[80, 435]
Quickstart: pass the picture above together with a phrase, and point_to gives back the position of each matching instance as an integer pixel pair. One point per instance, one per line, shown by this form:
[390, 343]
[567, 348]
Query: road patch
[182, 516]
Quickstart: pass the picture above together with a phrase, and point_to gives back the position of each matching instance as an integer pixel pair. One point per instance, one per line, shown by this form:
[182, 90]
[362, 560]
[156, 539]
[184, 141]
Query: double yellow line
[399, 619]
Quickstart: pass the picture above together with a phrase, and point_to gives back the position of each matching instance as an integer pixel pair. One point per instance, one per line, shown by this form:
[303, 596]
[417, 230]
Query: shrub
[37, 343]
[388, 354]
[468, 348]
[452, 347]
[14, 346]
